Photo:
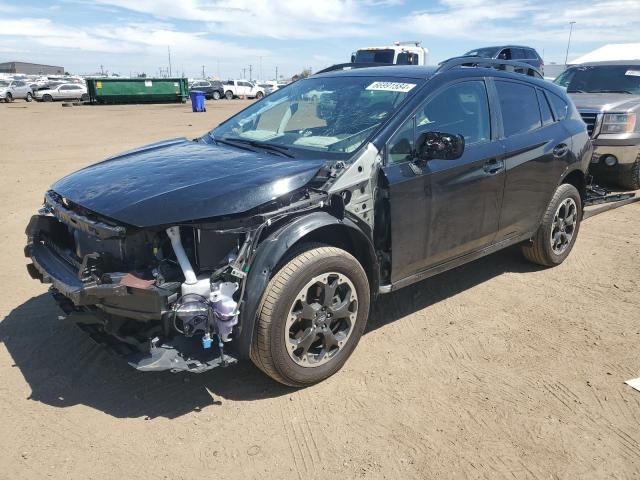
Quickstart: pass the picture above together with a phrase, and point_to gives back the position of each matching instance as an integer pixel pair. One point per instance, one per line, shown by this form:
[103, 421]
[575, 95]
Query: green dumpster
[137, 90]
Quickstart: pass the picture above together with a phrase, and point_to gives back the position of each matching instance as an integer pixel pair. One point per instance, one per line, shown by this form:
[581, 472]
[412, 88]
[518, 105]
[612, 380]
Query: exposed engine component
[206, 307]
[192, 314]
[225, 308]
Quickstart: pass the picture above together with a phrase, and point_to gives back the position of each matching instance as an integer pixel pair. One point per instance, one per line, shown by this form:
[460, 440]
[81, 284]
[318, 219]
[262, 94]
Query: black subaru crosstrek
[268, 237]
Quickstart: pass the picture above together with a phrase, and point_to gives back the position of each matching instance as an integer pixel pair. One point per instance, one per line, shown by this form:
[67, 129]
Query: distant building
[30, 68]
[611, 52]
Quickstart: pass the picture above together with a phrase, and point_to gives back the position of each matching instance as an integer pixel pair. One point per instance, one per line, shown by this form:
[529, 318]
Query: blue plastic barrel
[197, 101]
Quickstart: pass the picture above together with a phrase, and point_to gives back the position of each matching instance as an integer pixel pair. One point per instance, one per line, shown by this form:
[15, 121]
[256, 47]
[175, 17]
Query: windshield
[4, 83]
[482, 52]
[601, 79]
[374, 56]
[333, 116]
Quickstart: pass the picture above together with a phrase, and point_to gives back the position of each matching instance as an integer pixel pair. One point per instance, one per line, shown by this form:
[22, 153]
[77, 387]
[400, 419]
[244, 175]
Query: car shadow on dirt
[64, 367]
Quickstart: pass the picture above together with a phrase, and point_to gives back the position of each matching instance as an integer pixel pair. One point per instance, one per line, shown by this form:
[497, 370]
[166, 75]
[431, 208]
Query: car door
[442, 209]
[534, 150]
[61, 93]
[21, 89]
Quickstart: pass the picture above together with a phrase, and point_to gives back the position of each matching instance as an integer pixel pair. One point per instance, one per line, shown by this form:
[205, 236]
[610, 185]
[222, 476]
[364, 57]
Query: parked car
[242, 88]
[268, 88]
[607, 95]
[66, 91]
[212, 89]
[12, 89]
[510, 52]
[269, 237]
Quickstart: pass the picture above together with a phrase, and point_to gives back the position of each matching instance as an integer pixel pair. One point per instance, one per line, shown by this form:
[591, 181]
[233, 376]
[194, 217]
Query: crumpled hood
[180, 180]
[606, 102]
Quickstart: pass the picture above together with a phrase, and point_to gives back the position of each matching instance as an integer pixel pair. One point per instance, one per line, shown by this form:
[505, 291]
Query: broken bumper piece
[177, 354]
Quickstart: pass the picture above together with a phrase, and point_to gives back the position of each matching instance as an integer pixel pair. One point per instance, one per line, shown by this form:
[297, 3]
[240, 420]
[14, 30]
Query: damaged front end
[164, 298]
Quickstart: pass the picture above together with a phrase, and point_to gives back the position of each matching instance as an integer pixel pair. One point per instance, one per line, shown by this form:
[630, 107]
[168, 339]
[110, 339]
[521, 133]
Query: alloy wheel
[564, 226]
[321, 319]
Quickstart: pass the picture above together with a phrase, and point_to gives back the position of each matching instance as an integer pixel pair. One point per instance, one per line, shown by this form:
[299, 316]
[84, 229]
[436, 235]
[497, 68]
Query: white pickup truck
[242, 88]
[400, 53]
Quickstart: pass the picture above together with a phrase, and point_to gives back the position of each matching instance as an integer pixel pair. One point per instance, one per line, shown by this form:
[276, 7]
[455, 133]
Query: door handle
[493, 166]
[560, 150]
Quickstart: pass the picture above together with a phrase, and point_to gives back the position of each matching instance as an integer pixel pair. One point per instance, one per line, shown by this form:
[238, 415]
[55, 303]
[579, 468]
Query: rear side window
[560, 107]
[519, 106]
[545, 110]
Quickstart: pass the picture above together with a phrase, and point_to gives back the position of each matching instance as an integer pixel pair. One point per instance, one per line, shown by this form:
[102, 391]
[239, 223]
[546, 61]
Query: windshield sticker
[391, 86]
[633, 73]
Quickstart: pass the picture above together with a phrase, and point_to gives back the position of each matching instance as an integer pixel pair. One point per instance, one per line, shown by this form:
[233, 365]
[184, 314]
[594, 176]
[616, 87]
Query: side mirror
[441, 146]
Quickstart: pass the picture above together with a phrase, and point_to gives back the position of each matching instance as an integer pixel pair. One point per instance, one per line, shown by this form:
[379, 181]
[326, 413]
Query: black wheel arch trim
[271, 251]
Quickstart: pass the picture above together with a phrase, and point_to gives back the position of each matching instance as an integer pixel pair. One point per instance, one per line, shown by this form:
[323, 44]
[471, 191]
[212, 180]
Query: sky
[226, 36]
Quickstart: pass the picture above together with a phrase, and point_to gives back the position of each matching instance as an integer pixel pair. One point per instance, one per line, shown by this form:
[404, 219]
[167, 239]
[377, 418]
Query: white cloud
[281, 19]
[528, 20]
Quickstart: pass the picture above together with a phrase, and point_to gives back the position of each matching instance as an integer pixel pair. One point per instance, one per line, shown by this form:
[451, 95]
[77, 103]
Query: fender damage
[132, 262]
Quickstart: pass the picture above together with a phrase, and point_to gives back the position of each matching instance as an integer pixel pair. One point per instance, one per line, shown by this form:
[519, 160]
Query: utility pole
[169, 51]
[250, 67]
[203, 72]
[101, 70]
[276, 73]
[566, 57]
[244, 72]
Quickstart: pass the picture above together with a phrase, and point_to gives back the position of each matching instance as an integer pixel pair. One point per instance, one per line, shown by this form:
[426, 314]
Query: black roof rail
[517, 67]
[350, 65]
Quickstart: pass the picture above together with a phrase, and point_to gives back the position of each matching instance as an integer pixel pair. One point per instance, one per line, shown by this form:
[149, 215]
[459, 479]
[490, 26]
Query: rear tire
[47, 98]
[558, 231]
[29, 97]
[228, 95]
[84, 97]
[259, 95]
[630, 179]
[216, 95]
[295, 307]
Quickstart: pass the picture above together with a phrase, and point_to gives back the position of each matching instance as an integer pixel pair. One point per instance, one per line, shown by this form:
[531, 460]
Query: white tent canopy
[612, 51]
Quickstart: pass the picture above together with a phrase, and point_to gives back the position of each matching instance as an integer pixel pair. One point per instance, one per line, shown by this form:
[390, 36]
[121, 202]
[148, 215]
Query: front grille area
[590, 119]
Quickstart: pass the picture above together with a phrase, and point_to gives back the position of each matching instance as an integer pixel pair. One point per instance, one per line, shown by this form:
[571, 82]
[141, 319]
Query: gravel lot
[497, 369]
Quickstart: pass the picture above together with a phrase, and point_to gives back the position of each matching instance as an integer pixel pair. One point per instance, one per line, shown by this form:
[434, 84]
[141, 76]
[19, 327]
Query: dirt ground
[497, 369]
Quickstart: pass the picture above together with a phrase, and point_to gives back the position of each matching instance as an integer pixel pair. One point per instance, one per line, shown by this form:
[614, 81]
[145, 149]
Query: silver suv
[12, 89]
[607, 95]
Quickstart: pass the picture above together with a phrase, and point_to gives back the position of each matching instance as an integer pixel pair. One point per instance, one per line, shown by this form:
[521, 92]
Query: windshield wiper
[231, 144]
[265, 146]
[610, 91]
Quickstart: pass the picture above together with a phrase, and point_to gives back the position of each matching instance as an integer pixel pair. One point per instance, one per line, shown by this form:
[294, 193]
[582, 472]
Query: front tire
[558, 231]
[228, 95]
[29, 97]
[8, 98]
[311, 316]
[216, 95]
[47, 98]
[259, 95]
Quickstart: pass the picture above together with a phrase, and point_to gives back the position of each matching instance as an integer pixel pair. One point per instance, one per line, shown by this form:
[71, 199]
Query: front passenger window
[460, 109]
[401, 145]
